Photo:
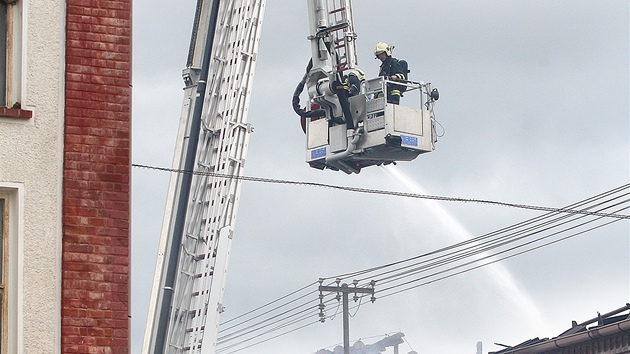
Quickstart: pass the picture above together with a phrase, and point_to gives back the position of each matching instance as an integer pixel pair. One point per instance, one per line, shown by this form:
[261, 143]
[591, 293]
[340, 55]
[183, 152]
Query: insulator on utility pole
[342, 291]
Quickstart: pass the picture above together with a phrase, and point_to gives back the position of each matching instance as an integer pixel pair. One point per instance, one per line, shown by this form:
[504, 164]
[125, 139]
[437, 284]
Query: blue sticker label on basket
[317, 153]
[409, 140]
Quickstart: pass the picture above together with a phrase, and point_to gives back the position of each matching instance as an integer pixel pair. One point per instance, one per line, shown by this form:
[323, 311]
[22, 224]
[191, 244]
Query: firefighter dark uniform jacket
[391, 67]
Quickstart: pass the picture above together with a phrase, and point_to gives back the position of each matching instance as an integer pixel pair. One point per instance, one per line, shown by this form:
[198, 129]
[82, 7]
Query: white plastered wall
[31, 156]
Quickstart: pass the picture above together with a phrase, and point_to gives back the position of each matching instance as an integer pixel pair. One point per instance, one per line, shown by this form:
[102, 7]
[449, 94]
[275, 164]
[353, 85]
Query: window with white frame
[3, 53]
[10, 53]
[9, 283]
[4, 235]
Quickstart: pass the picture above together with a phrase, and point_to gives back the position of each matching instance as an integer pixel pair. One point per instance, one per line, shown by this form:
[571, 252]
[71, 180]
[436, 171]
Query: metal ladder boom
[203, 250]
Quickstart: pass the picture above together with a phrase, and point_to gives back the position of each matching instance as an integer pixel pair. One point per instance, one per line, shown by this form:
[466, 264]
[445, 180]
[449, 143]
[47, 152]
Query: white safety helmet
[382, 47]
[358, 73]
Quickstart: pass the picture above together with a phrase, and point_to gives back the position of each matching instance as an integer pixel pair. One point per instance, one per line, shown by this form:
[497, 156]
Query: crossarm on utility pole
[344, 289]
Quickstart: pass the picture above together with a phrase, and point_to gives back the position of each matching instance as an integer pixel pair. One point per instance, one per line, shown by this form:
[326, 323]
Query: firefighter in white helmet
[353, 81]
[391, 70]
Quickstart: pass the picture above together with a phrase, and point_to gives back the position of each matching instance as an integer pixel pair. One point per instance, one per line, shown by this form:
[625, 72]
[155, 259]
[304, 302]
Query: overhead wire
[360, 298]
[398, 277]
[276, 318]
[480, 248]
[436, 262]
[422, 284]
[273, 317]
[261, 331]
[220, 350]
[527, 228]
[266, 305]
[476, 240]
[301, 319]
[486, 264]
[272, 320]
[278, 321]
[377, 191]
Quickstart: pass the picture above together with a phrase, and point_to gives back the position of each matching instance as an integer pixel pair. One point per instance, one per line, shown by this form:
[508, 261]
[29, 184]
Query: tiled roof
[614, 320]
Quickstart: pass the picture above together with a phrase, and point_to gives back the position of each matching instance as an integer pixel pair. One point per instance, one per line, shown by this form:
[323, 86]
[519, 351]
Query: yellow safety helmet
[382, 47]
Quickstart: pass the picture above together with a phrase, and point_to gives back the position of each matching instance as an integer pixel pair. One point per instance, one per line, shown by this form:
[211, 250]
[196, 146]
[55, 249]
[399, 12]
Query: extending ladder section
[203, 251]
[211, 216]
[340, 20]
[332, 36]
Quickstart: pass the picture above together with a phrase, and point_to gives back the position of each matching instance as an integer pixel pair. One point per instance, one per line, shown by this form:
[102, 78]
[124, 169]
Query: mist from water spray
[497, 272]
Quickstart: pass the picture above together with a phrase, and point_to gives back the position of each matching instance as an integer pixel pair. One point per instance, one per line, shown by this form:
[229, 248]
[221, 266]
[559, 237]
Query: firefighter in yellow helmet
[391, 70]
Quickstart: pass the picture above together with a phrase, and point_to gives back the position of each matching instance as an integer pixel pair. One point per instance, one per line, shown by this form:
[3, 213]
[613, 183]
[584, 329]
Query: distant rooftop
[608, 324]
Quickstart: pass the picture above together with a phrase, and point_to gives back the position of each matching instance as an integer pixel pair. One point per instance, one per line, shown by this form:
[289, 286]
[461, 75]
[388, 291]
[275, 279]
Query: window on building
[11, 53]
[3, 53]
[9, 259]
[4, 225]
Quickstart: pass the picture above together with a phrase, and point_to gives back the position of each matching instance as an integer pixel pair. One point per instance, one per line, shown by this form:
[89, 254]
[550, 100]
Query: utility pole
[342, 293]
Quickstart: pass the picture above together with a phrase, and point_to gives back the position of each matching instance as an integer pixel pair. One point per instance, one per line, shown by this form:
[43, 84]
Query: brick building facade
[65, 140]
[96, 187]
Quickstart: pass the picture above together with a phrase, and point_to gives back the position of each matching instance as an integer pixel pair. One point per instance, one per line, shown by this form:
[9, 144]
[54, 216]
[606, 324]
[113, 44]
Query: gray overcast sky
[534, 102]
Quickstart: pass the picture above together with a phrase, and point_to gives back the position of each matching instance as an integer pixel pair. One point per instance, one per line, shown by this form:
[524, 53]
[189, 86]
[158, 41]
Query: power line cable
[263, 341]
[548, 236]
[418, 285]
[443, 274]
[262, 326]
[476, 249]
[452, 257]
[557, 220]
[475, 240]
[486, 264]
[281, 317]
[564, 230]
[273, 320]
[376, 191]
[280, 321]
[303, 318]
[266, 305]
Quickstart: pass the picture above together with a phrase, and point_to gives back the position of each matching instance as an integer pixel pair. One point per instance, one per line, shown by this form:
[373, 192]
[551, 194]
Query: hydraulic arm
[348, 129]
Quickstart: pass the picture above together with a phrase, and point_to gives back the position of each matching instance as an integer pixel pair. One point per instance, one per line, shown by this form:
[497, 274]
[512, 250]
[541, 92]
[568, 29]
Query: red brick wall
[96, 183]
